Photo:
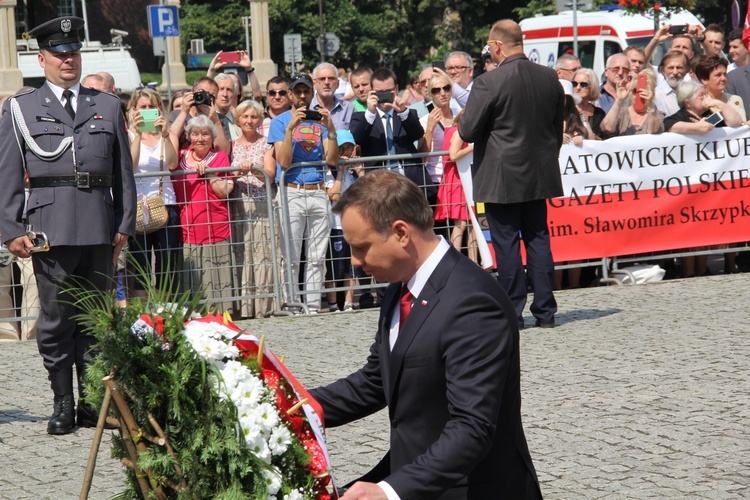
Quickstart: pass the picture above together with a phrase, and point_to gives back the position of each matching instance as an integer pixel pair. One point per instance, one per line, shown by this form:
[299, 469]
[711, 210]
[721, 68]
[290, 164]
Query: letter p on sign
[163, 20]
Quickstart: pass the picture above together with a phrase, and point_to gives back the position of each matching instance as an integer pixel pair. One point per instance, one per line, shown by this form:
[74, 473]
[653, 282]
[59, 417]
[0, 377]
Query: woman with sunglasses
[586, 85]
[434, 123]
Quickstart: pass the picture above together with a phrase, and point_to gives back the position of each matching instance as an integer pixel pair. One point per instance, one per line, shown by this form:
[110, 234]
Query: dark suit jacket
[452, 389]
[738, 83]
[514, 117]
[68, 215]
[371, 140]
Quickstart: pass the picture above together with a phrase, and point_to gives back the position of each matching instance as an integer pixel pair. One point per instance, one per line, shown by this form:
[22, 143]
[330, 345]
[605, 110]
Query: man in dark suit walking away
[71, 143]
[445, 360]
[514, 117]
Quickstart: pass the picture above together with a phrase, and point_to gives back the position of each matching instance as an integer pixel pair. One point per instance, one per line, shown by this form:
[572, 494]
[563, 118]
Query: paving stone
[640, 392]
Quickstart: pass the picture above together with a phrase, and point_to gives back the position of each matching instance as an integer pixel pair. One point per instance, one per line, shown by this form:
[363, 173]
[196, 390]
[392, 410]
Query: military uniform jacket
[67, 214]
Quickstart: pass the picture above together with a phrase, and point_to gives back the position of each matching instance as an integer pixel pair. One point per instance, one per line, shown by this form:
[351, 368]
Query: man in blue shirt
[298, 138]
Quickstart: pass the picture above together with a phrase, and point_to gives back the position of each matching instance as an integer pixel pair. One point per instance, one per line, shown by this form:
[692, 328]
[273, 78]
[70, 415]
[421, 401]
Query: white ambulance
[600, 34]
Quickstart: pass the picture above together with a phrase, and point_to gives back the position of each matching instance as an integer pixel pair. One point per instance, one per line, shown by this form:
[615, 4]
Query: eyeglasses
[326, 79]
[280, 93]
[436, 90]
[456, 68]
[572, 70]
[584, 85]
[618, 69]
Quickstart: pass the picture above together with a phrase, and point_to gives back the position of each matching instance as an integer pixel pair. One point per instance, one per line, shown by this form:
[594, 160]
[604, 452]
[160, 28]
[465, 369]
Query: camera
[311, 114]
[678, 29]
[202, 97]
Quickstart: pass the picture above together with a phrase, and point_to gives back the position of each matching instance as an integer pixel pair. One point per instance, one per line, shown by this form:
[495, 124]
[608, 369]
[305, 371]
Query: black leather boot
[63, 419]
[86, 415]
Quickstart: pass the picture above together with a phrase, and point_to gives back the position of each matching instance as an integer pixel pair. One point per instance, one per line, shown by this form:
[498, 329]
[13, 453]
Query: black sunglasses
[274, 93]
[302, 76]
[436, 90]
[584, 85]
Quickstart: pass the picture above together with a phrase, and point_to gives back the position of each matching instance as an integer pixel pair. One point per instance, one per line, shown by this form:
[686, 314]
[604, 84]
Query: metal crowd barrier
[286, 290]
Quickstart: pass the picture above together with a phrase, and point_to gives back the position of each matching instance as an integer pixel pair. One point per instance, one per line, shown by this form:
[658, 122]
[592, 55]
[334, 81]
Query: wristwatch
[332, 136]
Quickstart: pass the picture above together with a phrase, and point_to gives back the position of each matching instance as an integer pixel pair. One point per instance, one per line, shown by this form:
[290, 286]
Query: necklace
[195, 158]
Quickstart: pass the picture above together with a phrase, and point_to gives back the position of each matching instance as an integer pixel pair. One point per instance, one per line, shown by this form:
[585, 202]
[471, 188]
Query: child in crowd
[339, 258]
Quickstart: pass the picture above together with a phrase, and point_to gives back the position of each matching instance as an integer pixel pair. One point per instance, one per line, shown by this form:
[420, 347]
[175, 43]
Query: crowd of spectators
[219, 239]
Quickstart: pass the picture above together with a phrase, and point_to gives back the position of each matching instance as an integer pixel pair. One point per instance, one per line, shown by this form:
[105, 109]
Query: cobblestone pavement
[640, 392]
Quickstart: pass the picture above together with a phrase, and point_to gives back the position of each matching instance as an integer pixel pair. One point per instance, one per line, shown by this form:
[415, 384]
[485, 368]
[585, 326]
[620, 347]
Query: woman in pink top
[204, 213]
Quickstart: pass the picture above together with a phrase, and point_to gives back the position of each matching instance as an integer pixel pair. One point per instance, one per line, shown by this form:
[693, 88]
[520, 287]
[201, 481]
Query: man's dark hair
[382, 74]
[715, 28]
[383, 197]
[277, 80]
[735, 35]
[362, 70]
[203, 79]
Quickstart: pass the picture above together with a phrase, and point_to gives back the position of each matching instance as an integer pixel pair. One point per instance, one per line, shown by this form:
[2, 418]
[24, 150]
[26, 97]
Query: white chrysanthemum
[259, 447]
[273, 480]
[209, 348]
[212, 329]
[232, 374]
[248, 393]
[294, 495]
[251, 428]
[268, 415]
[280, 440]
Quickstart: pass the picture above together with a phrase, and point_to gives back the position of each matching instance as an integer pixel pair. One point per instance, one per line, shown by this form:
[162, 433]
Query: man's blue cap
[343, 137]
[59, 35]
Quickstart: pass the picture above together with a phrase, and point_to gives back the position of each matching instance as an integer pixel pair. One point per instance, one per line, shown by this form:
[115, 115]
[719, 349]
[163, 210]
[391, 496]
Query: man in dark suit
[738, 83]
[72, 144]
[445, 360]
[370, 130]
[514, 117]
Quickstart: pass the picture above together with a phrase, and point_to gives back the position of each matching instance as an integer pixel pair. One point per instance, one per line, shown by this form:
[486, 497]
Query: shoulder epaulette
[23, 92]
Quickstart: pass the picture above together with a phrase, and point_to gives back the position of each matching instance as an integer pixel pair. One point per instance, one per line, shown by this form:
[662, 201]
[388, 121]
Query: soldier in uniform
[71, 142]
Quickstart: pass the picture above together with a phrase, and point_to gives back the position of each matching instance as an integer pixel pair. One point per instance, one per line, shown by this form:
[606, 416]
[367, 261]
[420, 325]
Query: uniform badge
[46, 99]
[88, 99]
[98, 117]
[65, 25]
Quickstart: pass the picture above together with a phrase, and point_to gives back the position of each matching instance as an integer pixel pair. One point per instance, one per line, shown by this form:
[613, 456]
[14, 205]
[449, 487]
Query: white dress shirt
[58, 91]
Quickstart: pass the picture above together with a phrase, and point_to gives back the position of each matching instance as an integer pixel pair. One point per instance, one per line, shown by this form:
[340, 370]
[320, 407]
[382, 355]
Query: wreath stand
[135, 439]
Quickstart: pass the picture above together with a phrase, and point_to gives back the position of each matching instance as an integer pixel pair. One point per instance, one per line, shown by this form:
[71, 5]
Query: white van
[600, 34]
[95, 57]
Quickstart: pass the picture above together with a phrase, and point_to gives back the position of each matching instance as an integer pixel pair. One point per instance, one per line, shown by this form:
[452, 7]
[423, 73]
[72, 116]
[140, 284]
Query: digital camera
[202, 97]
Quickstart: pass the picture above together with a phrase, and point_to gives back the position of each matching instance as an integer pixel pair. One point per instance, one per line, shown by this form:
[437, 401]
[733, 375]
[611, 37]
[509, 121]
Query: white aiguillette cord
[20, 123]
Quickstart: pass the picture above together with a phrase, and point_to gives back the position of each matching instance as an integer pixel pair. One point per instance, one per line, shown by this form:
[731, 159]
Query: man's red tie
[405, 306]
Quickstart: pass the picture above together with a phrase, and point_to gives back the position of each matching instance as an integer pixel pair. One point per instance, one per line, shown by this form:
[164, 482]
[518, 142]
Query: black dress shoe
[63, 419]
[86, 416]
[366, 301]
[545, 324]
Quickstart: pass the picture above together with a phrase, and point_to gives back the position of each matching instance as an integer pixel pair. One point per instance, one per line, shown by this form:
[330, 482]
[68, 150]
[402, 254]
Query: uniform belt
[319, 185]
[83, 180]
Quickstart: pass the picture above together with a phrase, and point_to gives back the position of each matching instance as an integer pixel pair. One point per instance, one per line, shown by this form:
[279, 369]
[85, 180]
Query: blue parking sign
[163, 20]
